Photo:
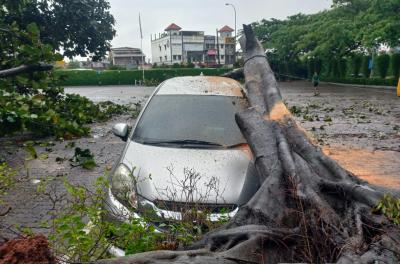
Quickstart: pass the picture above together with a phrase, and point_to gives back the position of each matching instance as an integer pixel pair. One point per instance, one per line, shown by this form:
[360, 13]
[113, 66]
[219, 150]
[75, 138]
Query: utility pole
[141, 47]
[217, 37]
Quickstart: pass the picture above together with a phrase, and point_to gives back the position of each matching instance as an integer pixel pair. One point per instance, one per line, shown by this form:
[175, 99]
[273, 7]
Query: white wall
[156, 53]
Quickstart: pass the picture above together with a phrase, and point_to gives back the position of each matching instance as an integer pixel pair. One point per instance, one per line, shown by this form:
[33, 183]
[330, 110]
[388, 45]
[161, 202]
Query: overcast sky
[202, 15]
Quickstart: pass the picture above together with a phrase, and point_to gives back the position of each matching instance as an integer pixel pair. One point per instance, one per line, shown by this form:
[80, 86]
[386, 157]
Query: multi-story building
[177, 46]
[127, 57]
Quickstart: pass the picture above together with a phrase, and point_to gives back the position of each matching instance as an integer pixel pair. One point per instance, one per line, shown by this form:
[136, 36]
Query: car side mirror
[121, 130]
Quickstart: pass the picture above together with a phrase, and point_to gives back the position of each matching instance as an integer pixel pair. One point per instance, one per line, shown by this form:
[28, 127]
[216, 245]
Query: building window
[222, 46]
[166, 57]
[222, 57]
[165, 47]
[160, 59]
[159, 47]
[174, 57]
[179, 57]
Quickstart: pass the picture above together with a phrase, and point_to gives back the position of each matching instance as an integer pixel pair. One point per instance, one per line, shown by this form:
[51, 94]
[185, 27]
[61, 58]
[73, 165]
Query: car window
[191, 117]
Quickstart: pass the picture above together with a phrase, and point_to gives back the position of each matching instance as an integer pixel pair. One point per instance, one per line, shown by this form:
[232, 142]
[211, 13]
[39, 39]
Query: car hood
[188, 175]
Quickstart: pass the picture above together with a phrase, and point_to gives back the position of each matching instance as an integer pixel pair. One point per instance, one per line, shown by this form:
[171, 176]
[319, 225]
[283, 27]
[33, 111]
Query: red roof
[226, 29]
[173, 26]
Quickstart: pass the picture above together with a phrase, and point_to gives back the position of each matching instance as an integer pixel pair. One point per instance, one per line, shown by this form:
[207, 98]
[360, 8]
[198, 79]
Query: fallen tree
[308, 209]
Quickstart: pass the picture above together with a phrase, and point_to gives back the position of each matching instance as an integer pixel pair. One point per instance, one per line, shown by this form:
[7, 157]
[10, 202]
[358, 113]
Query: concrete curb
[363, 86]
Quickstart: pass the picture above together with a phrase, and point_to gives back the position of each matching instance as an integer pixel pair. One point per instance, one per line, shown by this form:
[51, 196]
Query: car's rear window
[191, 117]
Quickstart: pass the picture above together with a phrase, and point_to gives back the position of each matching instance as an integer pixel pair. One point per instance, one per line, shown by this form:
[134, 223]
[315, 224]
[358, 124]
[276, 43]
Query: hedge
[128, 77]
[364, 81]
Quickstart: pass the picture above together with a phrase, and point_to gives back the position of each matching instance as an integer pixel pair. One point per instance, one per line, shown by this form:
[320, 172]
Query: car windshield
[191, 120]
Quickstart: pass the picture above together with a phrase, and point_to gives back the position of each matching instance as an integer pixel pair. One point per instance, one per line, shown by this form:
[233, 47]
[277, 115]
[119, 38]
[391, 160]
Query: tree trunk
[308, 209]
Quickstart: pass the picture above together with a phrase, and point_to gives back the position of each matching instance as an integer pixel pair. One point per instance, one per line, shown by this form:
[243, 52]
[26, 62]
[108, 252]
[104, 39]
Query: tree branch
[236, 74]
[25, 69]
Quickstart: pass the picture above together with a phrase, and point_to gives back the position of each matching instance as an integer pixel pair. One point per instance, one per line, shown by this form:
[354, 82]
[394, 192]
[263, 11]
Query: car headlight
[123, 185]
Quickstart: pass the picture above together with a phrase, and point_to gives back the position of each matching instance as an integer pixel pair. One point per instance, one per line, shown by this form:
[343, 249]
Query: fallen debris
[84, 158]
[27, 250]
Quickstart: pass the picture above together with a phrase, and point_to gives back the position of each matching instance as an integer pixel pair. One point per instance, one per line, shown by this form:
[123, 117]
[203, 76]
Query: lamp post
[234, 9]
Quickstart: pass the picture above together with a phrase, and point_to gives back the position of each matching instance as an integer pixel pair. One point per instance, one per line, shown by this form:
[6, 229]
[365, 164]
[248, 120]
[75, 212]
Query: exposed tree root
[308, 209]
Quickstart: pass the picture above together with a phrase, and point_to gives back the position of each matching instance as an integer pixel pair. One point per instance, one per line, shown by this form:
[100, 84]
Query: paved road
[363, 135]
[127, 94]
[123, 94]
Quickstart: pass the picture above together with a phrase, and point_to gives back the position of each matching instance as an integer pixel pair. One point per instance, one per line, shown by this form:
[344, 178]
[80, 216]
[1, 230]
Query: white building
[177, 46]
[127, 57]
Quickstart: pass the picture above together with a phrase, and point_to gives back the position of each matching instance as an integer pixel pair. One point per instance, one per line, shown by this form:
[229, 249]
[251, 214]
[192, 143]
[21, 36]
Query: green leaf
[32, 152]
[33, 29]
[83, 158]
[43, 156]
[10, 119]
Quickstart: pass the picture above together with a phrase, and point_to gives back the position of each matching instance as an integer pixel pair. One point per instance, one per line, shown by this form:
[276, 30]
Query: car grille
[187, 206]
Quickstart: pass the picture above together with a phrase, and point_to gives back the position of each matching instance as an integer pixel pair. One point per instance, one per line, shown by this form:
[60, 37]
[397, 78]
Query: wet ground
[359, 127]
[122, 94]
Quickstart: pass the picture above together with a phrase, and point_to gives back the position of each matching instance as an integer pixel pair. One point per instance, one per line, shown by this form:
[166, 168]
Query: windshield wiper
[196, 142]
[182, 142]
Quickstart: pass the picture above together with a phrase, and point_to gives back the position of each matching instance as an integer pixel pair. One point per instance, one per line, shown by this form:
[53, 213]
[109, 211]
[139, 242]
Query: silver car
[185, 152]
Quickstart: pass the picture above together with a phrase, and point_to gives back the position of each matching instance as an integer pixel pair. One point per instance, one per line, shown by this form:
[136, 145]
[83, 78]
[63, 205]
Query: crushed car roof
[201, 85]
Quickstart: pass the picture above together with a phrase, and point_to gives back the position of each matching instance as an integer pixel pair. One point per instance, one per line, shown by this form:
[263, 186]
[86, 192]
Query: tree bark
[308, 208]
[25, 69]
[236, 74]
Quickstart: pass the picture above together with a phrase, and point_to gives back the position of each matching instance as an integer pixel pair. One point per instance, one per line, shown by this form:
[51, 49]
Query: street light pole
[234, 9]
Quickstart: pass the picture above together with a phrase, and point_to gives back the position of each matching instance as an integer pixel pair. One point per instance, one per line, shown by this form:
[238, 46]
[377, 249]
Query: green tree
[310, 67]
[30, 97]
[76, 27]
[395, 61]
[349, 26]
[366, 71]
[334, 68]
[382, 63]
[356, 62]
[318, 65]
[342, 64]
